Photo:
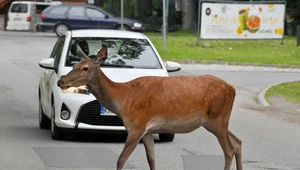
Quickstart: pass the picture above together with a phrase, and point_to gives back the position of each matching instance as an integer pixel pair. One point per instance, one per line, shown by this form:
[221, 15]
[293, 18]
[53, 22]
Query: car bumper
[140, 29]
[19, 26]
[85, 114]
[42, 26]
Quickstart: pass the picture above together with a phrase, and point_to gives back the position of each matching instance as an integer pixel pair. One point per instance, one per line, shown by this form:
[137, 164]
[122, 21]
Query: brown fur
[161, 105]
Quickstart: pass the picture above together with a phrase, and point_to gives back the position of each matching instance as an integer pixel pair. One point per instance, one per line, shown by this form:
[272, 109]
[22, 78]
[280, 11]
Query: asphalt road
[269, 142]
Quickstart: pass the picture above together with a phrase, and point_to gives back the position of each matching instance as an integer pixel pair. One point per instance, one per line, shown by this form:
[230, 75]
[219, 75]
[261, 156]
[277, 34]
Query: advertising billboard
[242, 21]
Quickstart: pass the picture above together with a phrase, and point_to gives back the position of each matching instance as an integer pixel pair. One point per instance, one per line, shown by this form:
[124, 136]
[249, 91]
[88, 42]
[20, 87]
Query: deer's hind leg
[222, 134]
[237, 145]
[149, 147]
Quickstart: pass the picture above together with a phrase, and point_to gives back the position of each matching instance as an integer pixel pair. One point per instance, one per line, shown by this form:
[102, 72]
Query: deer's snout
[61, 81]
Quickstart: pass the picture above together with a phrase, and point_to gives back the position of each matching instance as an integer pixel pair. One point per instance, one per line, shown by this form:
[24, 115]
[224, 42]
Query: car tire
[60, 29]
[56, 132]
[125, 28]
[44, 121]
[166, 137]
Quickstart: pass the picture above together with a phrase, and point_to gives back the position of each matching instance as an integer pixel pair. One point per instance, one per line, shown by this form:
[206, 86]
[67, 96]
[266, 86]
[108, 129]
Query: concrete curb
[261, 97]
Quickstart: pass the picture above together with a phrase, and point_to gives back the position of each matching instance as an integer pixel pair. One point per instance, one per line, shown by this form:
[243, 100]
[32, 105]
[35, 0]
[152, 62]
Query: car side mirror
[172, 66]
[106, 16]
[47, 63]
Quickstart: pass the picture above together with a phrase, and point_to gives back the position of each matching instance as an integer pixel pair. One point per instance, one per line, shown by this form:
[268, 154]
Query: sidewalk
[28, 33]
[225, 67]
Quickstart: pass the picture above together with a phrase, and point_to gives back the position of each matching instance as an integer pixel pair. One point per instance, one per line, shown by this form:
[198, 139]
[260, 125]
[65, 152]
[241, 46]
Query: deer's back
[179, 96]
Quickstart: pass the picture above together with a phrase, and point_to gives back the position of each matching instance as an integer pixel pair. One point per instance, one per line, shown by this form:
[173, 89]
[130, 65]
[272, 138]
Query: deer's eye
[85, 68]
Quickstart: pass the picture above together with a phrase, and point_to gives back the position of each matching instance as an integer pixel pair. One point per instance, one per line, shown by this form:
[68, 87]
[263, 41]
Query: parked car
[72, 17]
[130, 55]
[23, 15]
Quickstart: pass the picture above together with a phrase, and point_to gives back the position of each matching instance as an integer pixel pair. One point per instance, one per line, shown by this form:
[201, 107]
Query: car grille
[90, 114]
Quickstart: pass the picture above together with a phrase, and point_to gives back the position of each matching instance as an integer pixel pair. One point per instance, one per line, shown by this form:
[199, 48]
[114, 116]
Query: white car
[130, 55]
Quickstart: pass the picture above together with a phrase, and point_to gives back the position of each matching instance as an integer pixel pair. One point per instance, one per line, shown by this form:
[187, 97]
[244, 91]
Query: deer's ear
[80, 53]
[102, 55]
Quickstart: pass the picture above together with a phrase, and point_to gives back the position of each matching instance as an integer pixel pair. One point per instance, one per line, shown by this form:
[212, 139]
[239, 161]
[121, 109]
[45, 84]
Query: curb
[261, 97]
[28, 33]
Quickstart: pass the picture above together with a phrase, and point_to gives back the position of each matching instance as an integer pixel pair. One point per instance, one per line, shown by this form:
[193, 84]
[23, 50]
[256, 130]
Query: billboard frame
[200, 2]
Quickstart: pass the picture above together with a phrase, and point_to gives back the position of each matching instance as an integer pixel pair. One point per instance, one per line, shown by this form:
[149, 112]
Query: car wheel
[44, 121]
[166, 137]
[60, 29]
[125, 28]
[56, 132]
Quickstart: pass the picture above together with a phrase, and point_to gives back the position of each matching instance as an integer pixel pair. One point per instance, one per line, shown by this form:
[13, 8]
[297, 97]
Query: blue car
[61, 18]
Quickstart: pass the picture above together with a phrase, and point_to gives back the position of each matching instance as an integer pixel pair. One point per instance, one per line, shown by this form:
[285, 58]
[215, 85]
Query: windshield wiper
[116, 65]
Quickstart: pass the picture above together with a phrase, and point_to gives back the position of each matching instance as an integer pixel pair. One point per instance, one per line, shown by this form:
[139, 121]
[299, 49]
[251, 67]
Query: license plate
[105, 112]
[17, 19]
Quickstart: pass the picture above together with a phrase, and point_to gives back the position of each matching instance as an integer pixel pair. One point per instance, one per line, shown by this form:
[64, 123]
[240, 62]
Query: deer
[153, 104]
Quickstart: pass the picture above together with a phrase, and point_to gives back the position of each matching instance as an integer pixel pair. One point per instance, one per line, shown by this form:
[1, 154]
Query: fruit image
[239, 30]
[280, 31]
[271, 7]
[276, 31]
[253, 23]
[243, 17]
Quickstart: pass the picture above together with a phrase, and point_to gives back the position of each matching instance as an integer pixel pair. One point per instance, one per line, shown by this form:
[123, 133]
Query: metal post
[282, 40]
[111, 6]
[34, 19]
[122, 27]
[199, 20]
[164, 25]
[298, 35]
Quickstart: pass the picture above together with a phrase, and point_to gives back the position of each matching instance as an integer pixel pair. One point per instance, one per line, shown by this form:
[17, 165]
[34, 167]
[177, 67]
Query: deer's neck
[106, 91]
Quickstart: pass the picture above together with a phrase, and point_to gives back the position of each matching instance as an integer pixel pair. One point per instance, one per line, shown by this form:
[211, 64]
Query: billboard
[242, 21]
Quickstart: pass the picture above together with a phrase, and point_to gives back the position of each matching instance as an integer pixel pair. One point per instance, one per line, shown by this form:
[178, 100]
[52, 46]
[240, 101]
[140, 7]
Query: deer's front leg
[149, 147]
[132, 140]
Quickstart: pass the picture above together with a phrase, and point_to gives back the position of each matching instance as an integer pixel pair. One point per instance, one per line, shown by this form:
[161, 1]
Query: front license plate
[105, 112]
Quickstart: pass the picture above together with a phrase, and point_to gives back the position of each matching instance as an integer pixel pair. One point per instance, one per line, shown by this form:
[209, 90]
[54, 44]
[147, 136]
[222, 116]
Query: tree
[189, 14]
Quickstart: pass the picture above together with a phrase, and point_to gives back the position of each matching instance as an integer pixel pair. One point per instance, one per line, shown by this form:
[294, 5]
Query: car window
[122, 52]
[57, 50]
[19, 8]
[60, 10]
[94, 13]
[76, 11]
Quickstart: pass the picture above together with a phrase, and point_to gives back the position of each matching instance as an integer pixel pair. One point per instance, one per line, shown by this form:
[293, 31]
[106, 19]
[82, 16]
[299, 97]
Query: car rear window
[19, 8]
[122, 52]
[60, 10]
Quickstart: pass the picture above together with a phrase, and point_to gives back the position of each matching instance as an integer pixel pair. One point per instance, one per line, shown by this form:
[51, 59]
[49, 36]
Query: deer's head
[82, 72]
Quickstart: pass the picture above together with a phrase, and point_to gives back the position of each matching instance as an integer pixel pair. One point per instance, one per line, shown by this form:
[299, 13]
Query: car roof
[107, 33]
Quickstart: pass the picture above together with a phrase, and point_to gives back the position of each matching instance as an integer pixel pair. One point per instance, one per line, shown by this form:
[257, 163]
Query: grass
[181, 46]
[290, 91]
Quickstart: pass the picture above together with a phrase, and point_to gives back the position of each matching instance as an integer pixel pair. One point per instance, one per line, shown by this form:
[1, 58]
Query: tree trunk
[189, 19]
[144, 9]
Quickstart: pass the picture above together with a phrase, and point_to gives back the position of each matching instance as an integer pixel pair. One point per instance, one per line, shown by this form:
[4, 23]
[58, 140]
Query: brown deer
[150, 105]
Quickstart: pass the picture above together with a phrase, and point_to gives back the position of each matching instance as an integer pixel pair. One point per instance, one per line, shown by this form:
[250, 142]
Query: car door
[76, 18]
[49, 74]
[98, 20]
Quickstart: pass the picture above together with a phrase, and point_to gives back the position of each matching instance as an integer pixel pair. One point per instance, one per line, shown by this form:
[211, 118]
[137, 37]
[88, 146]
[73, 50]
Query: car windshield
[122, 52]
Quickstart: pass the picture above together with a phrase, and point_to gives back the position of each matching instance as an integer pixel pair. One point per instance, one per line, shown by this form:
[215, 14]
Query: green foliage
[290, 91]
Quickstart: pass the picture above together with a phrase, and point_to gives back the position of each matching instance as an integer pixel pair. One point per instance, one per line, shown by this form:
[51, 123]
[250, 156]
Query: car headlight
[137, 25]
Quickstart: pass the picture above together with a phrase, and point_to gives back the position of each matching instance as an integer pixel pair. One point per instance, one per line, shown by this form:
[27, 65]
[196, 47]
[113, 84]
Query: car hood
[121, 75]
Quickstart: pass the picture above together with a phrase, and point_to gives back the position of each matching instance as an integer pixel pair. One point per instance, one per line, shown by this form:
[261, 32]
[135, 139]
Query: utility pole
[164, 26]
